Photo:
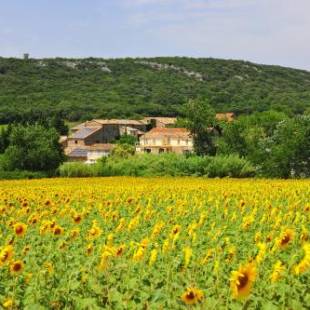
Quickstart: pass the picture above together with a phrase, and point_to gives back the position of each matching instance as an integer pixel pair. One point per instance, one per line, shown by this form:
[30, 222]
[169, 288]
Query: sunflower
[176, 230]
[8, 303]
[94, 232]
[16, 266]
[278, 270]
[153, 257]
[20, 229]
[241, 281]
[58, 230]
[304, 265]
[285, 238]
[192, 296]
[120, 250]
[6, 254]
[77, 218]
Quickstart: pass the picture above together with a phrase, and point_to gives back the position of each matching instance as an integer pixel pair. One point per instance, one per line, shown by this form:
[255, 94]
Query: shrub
[78, 169]
[148, 165]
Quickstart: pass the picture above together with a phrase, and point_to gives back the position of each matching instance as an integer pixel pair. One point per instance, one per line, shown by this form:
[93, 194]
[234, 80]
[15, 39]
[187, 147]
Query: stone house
[102, 132]
[164, 140]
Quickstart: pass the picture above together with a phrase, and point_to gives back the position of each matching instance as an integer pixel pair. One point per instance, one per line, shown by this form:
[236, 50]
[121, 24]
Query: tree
[123, 150]
[287, 151]
[59, 124]
[4, 137]
[200, 121]
[127, 139]
[33, 148]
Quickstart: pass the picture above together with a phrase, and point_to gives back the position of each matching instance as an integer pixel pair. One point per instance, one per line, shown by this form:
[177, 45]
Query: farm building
[164, 140]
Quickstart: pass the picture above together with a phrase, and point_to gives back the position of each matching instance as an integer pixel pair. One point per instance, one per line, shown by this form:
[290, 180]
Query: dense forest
[81, 89]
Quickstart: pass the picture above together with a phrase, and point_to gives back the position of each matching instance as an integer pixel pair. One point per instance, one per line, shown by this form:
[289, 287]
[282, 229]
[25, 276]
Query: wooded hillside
[87, 88]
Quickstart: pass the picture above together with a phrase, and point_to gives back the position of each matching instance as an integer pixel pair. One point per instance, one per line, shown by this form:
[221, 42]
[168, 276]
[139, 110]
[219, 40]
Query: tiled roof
[118, 122]
[84, 150]
[168, 132]
[85, 132]
[78, 153]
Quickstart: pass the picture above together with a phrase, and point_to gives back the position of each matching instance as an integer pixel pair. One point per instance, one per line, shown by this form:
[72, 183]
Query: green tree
[59, 124]
[287, 152]
[123, 150]
[4, 137]
[200, 121]
[127, 139]
[33, 148]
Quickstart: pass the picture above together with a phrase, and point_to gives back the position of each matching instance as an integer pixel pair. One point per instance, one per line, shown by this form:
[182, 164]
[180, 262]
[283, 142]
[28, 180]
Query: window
[76, 141]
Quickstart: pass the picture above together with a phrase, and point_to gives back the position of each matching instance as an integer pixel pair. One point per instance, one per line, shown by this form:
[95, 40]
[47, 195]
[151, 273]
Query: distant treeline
[79, 89]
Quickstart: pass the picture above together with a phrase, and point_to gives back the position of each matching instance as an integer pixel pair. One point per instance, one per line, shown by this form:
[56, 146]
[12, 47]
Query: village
[94, 139]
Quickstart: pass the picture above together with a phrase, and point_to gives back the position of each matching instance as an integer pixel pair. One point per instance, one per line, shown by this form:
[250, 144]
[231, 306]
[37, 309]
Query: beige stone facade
[165, 140]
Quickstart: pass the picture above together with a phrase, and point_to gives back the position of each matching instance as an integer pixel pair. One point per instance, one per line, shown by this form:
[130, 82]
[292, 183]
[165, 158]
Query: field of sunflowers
[154, 243]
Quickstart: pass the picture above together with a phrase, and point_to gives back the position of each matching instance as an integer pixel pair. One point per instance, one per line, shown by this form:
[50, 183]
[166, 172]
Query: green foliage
[199, 118]
[127, 139]
[79, 169]
[277, 145]
[4, 137]
[162, 165]
[33, 148]
[18, 174]
[82, 89]
[287, 152]
[123, 150]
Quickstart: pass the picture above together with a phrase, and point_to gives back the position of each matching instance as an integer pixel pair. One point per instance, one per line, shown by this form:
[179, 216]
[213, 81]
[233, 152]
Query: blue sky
[263, 31]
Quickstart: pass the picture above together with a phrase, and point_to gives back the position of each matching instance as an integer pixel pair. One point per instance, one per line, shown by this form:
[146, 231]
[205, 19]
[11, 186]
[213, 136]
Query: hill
[86, 88]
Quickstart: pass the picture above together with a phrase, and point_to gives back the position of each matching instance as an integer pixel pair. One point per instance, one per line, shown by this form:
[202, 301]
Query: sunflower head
[20, 229]
[6, 254]
[242, 280]
[285, 238]
[8, 303]
[192, 296]
[16, 266]
[58, 230]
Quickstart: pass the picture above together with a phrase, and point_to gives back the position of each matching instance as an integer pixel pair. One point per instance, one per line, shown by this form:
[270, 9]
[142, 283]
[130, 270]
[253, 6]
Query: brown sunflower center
[119, 252]
[19, 229]
[57, 231]
[17, 267]
[286, 239]
[77, 219]
[190, 295]
[243, 280]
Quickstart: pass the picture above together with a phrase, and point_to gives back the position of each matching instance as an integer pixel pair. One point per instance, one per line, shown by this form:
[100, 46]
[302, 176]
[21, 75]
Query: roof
[85, 132]
[84, 150]
[78, 153]
[118, 122]
[229, 116]
[167, 132]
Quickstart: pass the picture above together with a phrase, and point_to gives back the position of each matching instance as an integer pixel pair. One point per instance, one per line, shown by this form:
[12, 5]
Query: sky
[263, 31]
